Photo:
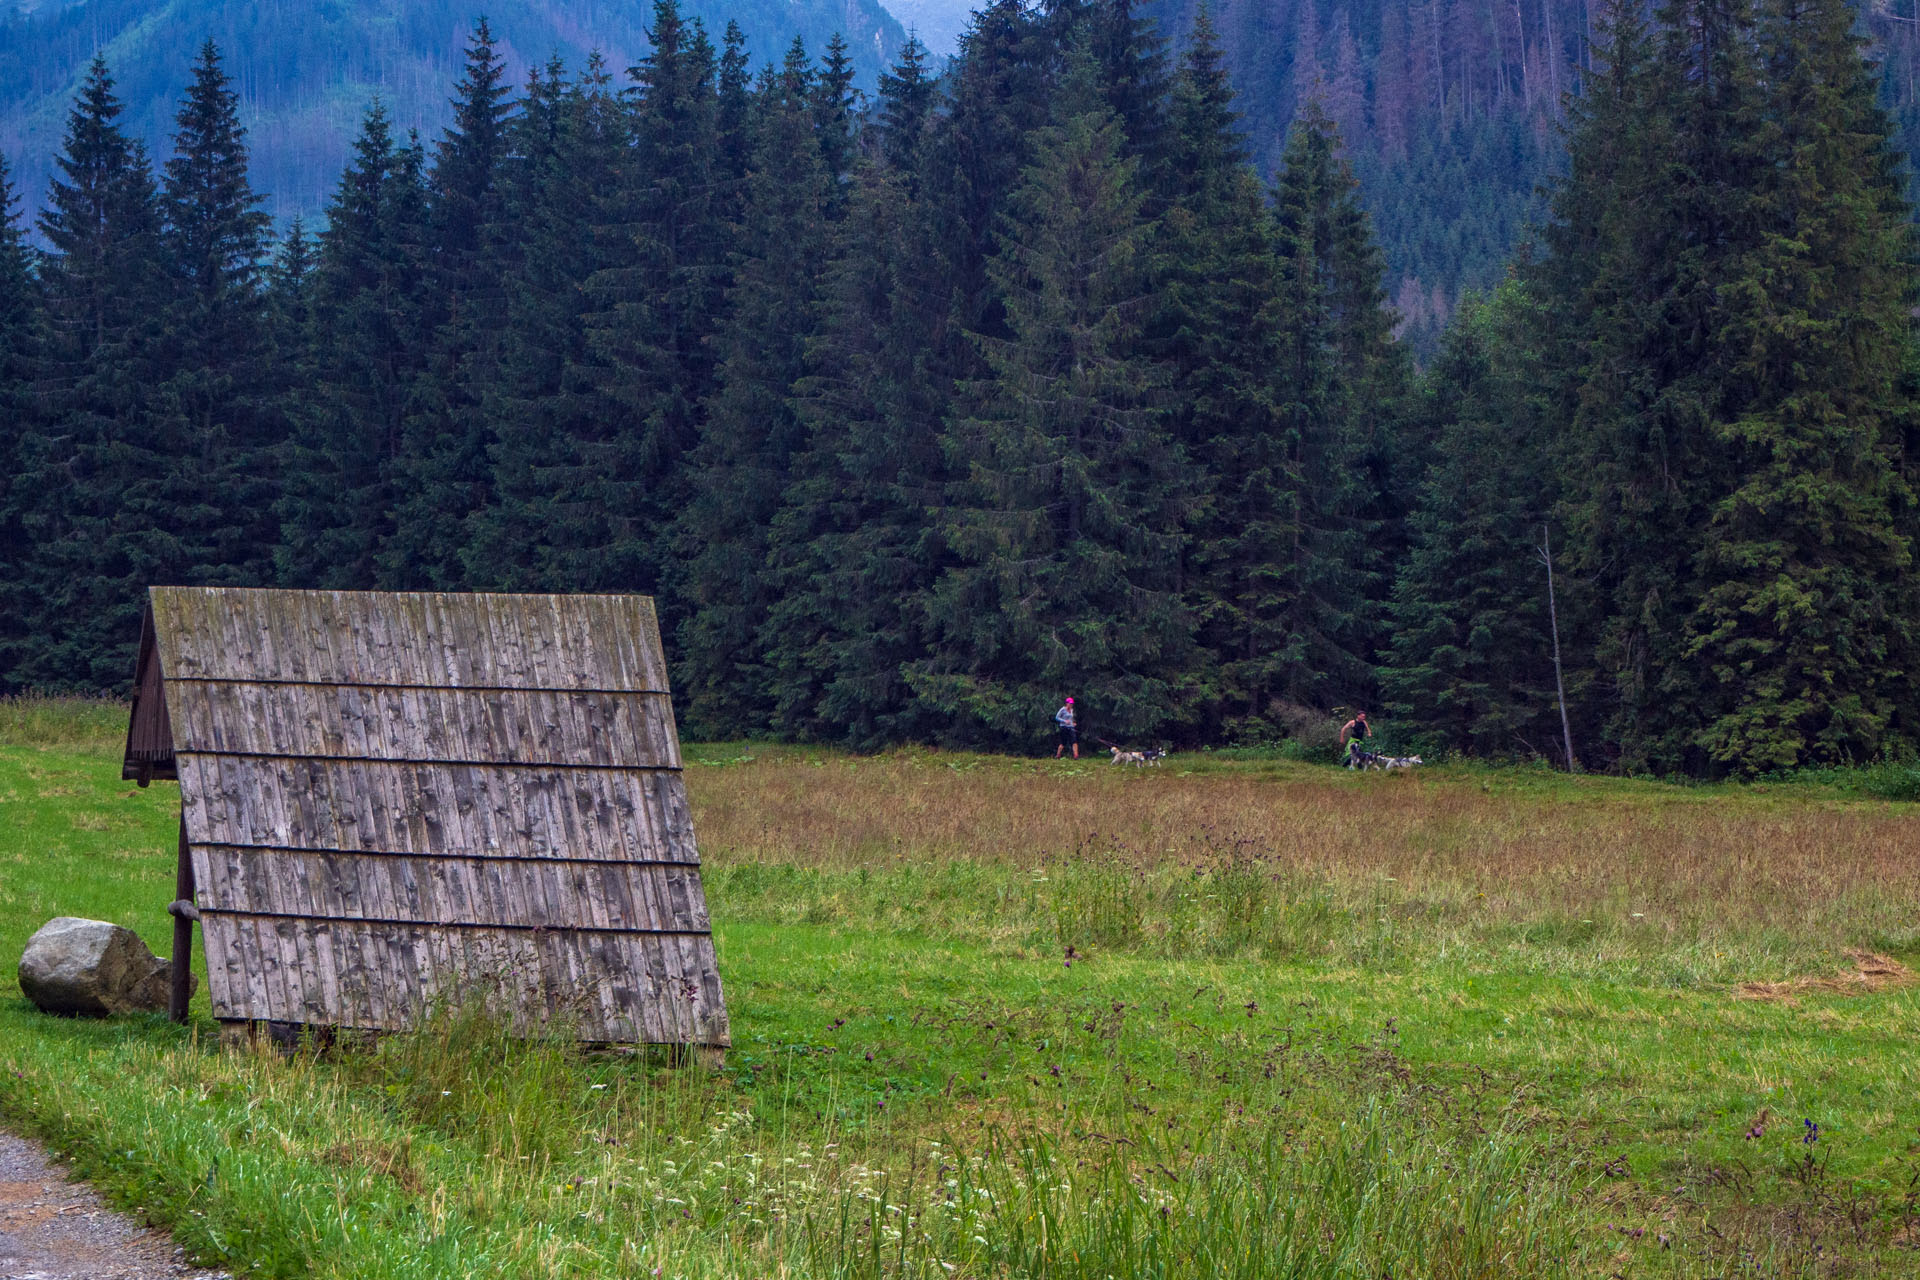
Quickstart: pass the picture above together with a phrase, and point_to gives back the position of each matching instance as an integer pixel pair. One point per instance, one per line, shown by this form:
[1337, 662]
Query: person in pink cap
[1069, 730]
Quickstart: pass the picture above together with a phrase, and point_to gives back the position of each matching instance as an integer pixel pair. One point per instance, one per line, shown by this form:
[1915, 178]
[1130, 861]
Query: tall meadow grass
[1634, 881]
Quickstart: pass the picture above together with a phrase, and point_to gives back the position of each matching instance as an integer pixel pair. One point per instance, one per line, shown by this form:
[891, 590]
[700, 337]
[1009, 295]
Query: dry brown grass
[1871, 973]
[1663, 864]
[387, 1159]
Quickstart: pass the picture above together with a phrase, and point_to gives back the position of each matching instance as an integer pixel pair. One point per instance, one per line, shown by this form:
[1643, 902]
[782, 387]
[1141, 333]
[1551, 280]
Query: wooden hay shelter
[388, 798]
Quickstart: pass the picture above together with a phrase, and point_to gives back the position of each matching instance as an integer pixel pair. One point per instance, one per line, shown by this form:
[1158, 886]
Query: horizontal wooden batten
[208, 913]
[658, 988]
[563, 728]
[374, 805]
[516, 893]
[355, 684]
[666, 859]
[460, 761]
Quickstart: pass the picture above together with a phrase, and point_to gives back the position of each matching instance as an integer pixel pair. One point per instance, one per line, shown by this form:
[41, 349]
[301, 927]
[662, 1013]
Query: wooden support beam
[182, 963]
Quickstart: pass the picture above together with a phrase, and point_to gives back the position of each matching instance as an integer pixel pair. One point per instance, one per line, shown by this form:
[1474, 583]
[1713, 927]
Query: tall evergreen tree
[556, 521]
[836, 108]
[370, 344]
[1469, 665]
[999, 100]
[442, 465]
[1640, 455]
[1329, 582]
[739, 469]
[1725, 301]
[217, 398]
[732, 120]
[20, 318]
[290, 301]
[104, 500]
[657, 298]
[1219, 324]
[1132, 60]
[853, 549]
[1067, 525]
[907, 97]
[1796, 634]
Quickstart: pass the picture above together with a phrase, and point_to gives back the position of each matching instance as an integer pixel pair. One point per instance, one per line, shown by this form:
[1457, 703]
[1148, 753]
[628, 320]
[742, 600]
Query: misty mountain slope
[307, 71]
[1450, 110]
[938, 23]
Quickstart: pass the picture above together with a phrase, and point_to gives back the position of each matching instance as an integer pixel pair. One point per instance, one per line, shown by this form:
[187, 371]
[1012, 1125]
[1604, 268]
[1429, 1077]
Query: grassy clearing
[1237, 1016]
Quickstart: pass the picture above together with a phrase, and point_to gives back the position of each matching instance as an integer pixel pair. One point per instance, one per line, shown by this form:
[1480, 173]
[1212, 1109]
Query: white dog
[1397, 762]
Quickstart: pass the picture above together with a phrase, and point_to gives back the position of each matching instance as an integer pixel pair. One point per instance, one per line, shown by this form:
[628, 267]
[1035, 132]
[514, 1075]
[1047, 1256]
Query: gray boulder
[89, 966]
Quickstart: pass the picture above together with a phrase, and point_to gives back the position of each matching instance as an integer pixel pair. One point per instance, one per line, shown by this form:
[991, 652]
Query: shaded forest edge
[1023, 382]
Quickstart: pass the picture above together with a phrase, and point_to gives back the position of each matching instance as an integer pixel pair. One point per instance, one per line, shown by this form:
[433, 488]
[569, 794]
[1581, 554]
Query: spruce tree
[218, 400]
[1469, 666]
[657, 299]
[215, 229]
[1219, 324]
[102, 227]
[103, 491]
[1795, 632]
[1641, 460]
[442, 466]
[20, 325]
[1328, 579]
[558, 520]
[733, 124]
[907, 96]
[739, 469]
[1725, 318]
[1133, 73]
[999, 100]
[1067, 523]
[835, 112]
[290, 300]
[853, 549]
[370, 345]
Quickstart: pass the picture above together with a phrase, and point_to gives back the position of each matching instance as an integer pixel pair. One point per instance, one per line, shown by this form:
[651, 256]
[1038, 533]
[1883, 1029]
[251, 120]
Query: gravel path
[53, 1229]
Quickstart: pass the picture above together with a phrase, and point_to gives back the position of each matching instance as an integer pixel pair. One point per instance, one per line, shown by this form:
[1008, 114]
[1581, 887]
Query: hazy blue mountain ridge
[306, 71]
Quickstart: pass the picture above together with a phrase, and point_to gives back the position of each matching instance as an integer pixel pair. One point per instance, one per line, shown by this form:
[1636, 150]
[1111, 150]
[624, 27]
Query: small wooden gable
[388, 797]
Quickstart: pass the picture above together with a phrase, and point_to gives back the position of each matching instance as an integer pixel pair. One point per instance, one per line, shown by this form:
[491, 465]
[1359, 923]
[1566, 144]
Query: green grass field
[1238, 1016]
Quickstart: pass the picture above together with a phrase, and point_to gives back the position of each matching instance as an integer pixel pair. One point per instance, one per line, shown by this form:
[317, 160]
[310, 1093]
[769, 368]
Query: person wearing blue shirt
[1069, 735]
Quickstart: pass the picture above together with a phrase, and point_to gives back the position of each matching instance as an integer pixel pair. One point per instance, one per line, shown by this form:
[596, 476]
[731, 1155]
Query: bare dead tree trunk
[1526, 80]
[1553, 617]
[1553, 61]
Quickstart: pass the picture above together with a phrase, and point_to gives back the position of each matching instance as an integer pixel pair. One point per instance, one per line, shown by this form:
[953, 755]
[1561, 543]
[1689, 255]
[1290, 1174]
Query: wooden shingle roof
[390, 796]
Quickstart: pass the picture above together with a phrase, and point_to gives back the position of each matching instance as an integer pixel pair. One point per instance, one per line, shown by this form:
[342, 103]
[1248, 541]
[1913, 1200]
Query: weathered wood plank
[433, 808]
[344, 637]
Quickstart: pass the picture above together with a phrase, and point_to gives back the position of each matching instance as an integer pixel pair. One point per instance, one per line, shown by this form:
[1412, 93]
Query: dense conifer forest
[1018, 381]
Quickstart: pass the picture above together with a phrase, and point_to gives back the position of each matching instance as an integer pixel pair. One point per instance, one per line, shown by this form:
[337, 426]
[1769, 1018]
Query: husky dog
[1122, 756]
[1153, 757]
[1397, 762]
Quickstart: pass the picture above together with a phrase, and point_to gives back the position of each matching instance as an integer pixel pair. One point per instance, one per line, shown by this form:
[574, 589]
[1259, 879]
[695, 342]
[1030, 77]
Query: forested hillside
[1024, 383]
[1448, 110]
[306, 72]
